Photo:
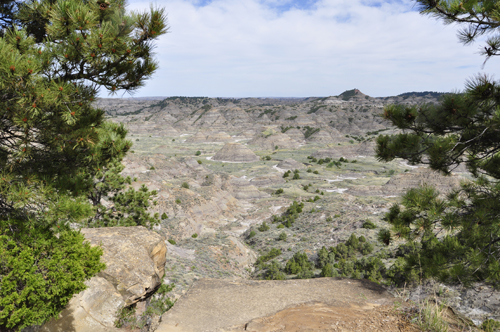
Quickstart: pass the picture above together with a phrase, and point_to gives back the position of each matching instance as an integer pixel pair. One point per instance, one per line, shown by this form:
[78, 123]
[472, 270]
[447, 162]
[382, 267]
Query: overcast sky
[301, 48]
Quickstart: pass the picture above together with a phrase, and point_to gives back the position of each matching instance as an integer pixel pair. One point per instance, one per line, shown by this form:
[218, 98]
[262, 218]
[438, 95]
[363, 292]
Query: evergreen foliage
[59, 158]
[263, 227]
[458, 235]
[273, 253]
[274, 271]
[289, 216]
[300, 265]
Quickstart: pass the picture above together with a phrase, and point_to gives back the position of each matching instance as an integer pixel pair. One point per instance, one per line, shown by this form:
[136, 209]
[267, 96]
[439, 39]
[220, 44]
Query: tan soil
[321, 317]
[288, 305]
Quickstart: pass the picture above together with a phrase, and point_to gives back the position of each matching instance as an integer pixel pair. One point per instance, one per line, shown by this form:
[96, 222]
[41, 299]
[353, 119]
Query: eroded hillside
[223, 167]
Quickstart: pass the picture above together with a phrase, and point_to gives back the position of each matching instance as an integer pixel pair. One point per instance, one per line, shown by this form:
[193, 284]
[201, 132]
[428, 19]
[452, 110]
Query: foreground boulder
[135, 264]
[220, 305]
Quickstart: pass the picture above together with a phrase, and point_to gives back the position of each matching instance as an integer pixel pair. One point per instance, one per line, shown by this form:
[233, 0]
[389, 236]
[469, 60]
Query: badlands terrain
[220, 165]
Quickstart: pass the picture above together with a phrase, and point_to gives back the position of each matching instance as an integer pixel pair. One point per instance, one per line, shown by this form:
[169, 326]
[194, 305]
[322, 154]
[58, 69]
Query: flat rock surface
[218, 305]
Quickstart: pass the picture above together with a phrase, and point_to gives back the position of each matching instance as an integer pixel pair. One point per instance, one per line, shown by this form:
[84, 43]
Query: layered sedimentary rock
[274, 141]
[364, 149]
[207, 137]
[295, 134]
[242, 189]
[135, 264]
[235, 152]
[290, 164]
[267, 180]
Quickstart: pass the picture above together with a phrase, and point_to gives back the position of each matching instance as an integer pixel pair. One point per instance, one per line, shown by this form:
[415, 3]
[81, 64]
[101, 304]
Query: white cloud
[244, 48]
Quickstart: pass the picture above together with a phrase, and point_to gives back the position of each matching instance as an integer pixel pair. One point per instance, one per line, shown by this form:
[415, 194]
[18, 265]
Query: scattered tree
[58, 156]
[459, 234]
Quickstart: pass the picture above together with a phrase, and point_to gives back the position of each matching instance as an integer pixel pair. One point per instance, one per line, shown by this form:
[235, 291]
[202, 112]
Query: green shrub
[273, 253]
[164, 216]
[274, 272]
[309, 170]
[171, 241]
[282, 236]
[298, 263]
[280, 226]
[263, 227]
[159, 303]
[279, 191]
[323, 257]
[177, 201]
[316, 172]
[251, 234]
[197, 153]
[296, 176]
[194, 236]
[199, 161]
[490, 325]
[125, 316]
[185, 185]
[353, 241]
[329, 271]
[401, 274]
[366, 248]
[287, 174]
[384, 236]
[342, 251]
[305, 274]
[368, 224]
[40, 271]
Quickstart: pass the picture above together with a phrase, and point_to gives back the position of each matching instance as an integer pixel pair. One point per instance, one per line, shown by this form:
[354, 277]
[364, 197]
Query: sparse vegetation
[263, 227]
[368, 224]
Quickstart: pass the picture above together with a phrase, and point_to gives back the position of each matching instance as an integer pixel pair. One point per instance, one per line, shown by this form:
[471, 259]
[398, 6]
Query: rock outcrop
[364, 149]
[290, 164]
[217, 305]
[274, 141]
[242, 189]
[135, 264]
[235, 152]
[201, 137]
[267, 180]
[295, 134]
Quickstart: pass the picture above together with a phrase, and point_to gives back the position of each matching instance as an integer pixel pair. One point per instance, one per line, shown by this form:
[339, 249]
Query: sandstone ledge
[135, 262]
[218, 305]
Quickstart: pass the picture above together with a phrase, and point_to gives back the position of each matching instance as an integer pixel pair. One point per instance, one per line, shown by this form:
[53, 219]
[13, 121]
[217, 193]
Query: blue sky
[301, 48]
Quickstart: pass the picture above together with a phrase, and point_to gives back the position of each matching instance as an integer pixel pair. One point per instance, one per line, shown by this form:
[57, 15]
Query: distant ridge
[348, 94]
[433, 94]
